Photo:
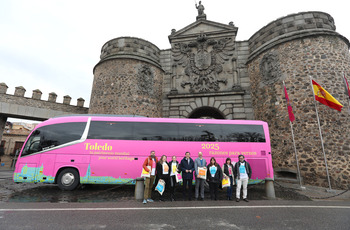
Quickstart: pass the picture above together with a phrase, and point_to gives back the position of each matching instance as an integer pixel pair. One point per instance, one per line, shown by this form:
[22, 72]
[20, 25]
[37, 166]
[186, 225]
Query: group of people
[162, 169]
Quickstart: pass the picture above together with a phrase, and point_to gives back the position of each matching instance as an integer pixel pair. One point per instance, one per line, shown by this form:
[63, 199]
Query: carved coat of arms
[202, 60]
[145, 79]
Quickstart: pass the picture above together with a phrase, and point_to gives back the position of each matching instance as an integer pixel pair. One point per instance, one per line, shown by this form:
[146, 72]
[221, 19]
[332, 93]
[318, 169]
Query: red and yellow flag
[324, 97]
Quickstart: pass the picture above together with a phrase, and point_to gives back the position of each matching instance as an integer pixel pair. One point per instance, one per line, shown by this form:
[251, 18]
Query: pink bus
[101, 149]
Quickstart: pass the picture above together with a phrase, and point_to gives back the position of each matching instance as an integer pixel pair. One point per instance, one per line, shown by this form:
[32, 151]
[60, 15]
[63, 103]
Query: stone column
[52, 97]
[80, 102]
[3, 120]
[3, 88]
[66, 100]
[20, 91]
[37, 94]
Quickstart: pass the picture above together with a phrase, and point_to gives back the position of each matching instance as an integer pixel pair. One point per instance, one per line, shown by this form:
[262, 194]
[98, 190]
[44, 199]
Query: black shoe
[229, 198]
[246, 200]
[237, 200]
[202, 199]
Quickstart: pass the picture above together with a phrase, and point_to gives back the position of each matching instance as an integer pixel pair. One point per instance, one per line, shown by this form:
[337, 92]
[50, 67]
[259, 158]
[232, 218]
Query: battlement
[130, 47]
[290, 27]
[36, 95]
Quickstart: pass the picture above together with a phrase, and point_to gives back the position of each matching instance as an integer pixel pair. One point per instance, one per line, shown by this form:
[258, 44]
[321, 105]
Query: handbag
[202, 172]
[144, 173]
[225, 182]
[178, 177]
[160, 186]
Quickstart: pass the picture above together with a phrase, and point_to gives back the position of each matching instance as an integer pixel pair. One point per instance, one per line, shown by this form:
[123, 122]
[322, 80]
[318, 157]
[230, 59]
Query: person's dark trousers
[230, 189]
[213, 187]
[187, 182]
[172, 187]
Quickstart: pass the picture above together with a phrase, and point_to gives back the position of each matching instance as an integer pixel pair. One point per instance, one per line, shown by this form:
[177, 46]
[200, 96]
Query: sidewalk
[316, 193]
[283, 189]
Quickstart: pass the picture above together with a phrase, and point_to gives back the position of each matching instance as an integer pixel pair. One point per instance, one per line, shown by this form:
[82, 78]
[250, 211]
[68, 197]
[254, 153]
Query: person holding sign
[228, 170]
[174, 168]
[187, 168]
[200, 163]
[163, 174]
[243, 173]
[214, 177]
[149, 165]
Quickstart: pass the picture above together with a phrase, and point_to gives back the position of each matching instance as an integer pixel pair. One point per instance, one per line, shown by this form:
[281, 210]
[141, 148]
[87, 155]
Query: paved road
[177, 215]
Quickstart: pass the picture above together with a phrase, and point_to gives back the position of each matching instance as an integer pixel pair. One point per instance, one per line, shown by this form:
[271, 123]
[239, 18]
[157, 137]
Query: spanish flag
[324, 97]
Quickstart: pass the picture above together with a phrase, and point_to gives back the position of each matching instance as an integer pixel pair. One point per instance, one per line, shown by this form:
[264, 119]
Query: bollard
[139, 188]
[269, 189]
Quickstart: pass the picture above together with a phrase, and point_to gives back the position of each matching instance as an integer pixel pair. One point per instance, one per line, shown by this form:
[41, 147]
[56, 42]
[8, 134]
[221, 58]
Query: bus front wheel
[68, 179]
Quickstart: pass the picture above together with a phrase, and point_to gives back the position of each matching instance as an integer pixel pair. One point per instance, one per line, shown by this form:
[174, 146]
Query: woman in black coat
[163, 173]
[214, 177]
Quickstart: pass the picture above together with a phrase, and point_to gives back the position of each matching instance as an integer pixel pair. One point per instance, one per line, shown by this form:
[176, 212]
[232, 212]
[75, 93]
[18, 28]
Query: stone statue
[200, 8]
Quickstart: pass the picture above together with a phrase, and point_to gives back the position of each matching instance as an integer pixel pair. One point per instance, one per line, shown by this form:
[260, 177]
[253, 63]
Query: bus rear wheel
[68, 179]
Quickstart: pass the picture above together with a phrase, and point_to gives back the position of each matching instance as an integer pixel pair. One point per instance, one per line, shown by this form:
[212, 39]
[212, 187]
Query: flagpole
[319, 127]
[347, 96]
[295, 150]
[296, 156]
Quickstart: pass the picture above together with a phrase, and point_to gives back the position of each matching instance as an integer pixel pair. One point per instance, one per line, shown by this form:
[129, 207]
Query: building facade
[208, 74]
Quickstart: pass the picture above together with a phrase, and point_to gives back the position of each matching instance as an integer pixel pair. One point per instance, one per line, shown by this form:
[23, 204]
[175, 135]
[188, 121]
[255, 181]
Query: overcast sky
[54, 45]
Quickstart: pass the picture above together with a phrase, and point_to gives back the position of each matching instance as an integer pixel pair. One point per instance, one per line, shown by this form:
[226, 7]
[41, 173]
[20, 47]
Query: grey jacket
[197, 163]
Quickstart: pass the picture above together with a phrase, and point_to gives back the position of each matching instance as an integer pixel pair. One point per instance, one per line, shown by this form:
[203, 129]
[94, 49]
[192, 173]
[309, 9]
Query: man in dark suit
[187, 168]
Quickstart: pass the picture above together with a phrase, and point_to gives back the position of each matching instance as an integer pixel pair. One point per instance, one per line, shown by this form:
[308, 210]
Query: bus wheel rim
[67, 179]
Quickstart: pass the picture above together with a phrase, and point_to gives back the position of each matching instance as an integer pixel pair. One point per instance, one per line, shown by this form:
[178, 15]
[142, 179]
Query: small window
[243, 133]
[149, 131]
[53, 135]
[111, 130]
[200, 132]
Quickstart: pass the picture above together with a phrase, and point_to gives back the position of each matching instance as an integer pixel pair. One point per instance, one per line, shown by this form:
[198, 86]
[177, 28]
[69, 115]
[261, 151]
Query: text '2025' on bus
[95, 149]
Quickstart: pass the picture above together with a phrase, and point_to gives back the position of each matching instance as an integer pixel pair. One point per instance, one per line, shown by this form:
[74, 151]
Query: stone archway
[207, 112]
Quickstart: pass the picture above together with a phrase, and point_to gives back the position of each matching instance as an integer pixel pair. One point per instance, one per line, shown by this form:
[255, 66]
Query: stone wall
[325, 57]
[36, 108]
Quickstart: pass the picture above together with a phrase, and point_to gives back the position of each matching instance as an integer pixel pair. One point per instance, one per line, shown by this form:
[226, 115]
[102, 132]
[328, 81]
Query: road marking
[169, 208]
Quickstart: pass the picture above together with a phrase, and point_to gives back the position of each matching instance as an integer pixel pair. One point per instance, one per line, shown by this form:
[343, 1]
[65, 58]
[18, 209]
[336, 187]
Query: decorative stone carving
[145, 80]
[202, 60]
[270, 68]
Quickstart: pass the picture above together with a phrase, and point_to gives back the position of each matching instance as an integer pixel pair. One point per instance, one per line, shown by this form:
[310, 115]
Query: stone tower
[128, 79]
[293, 48]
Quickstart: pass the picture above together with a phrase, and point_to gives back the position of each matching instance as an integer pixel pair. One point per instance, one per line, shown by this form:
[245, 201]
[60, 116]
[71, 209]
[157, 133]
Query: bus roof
[128, 118]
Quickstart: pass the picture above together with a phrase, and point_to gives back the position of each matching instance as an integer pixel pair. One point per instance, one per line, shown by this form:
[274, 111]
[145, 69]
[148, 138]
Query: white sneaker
[144, 201]
[150, 200]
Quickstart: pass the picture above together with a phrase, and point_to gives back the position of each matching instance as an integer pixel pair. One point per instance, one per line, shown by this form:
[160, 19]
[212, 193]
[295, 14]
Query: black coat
[187, 166]
[160, 174]
[218, 175]
[248, 169]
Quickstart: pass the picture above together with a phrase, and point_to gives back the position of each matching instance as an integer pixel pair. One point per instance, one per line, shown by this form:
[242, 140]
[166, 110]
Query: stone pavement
[316, 193]
[284, 190]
